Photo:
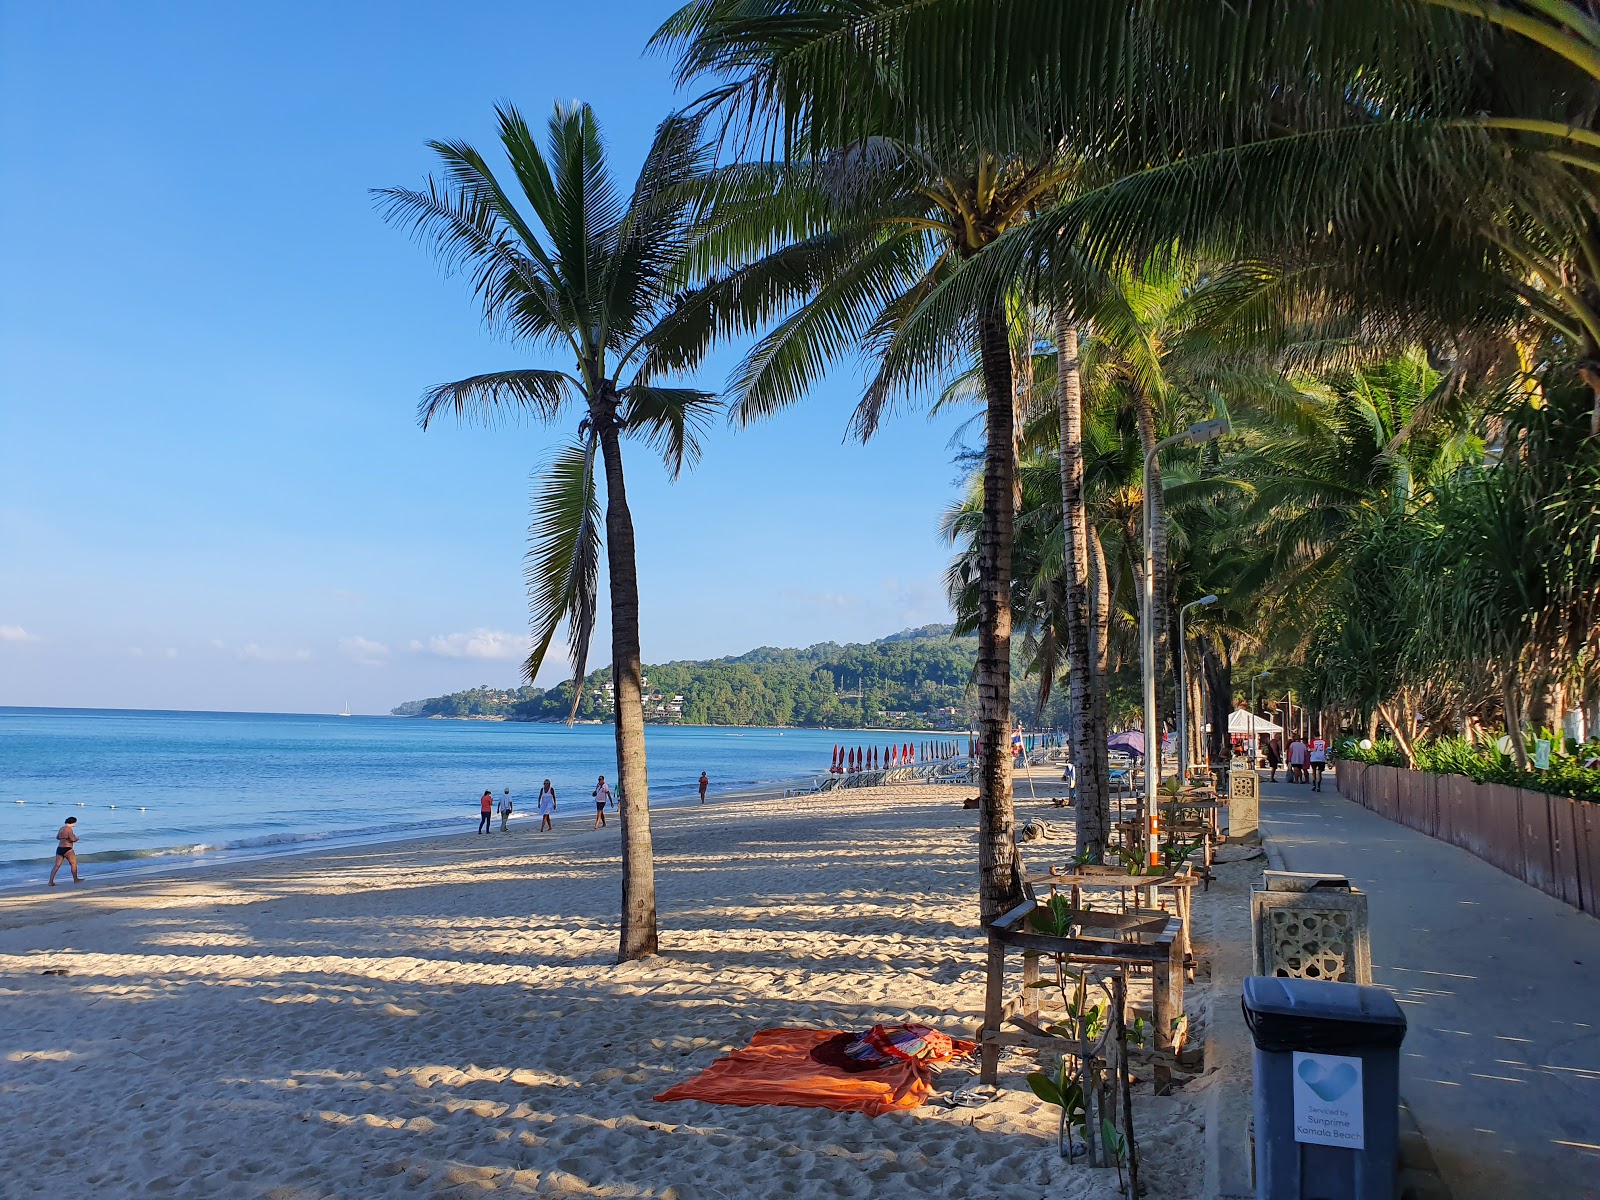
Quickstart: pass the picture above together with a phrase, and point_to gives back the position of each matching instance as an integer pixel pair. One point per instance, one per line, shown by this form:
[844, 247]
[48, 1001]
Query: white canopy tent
[1239, 721]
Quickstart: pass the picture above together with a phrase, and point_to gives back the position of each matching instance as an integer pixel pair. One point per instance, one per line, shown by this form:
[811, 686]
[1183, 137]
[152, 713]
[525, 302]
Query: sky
[213, 490]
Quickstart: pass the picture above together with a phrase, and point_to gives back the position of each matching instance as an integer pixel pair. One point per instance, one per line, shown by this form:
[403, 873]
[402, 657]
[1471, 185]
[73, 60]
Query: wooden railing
[1551, 842]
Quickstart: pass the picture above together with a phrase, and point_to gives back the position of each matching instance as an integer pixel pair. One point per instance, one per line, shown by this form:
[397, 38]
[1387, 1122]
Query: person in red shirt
[485, 811]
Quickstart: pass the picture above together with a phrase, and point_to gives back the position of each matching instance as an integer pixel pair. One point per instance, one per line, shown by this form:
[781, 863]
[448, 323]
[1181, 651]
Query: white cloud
[364, 651]
[494, 645]
[16, 633]
[917, 601]
[840, 601]
[255, 653]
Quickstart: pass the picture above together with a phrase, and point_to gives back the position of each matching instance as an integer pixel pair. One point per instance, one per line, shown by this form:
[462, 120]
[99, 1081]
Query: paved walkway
[1501, 987]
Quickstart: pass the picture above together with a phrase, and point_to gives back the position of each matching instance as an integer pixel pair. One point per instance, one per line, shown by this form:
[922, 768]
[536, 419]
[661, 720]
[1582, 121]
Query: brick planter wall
[1550, 842]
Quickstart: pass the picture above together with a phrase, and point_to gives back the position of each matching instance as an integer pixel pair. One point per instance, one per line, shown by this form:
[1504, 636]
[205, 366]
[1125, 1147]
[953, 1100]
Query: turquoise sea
[156, 790]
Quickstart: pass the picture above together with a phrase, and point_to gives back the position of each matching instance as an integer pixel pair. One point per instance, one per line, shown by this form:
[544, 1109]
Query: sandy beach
[444, 1018]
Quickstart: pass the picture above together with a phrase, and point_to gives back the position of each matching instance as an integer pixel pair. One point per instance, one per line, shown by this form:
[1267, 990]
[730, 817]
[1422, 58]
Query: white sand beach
[444, 1018]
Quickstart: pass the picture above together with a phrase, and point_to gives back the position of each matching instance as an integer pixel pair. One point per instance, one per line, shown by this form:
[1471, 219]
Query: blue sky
[213, 492]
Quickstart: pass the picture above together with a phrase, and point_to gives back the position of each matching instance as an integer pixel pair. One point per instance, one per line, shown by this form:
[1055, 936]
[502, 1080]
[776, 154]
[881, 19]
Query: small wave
[262, 842]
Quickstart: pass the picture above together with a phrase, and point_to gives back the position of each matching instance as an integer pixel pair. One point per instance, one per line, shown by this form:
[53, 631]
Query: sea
[155, 791]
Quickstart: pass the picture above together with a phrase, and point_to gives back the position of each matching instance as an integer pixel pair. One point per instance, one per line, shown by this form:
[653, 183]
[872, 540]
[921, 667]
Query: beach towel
[815, 1068]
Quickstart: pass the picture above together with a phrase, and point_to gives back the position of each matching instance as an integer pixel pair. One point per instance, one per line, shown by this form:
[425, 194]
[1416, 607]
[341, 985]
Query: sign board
[1541, 754]
[1327, 1101]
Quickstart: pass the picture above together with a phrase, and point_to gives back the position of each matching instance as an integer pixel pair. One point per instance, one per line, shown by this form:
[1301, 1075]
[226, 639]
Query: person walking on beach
[66, 837]
[1274, 758]
[547, 806]
[504, 809]
[705, 782]
[601, 795]
[485, 810]
[1318, 759]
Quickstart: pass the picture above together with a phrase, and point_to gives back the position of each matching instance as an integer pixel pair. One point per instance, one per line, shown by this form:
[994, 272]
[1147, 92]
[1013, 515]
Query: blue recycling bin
[1327, 1088]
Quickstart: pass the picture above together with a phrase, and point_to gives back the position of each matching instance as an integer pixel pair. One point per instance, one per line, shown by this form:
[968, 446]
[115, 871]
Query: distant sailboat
[346, 711]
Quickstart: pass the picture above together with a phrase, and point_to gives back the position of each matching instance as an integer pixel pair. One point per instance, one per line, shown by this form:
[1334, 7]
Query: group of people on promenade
[489, 807]
[1306, 760]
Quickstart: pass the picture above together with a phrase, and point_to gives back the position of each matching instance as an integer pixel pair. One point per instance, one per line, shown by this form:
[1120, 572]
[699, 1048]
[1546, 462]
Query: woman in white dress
[547, 806]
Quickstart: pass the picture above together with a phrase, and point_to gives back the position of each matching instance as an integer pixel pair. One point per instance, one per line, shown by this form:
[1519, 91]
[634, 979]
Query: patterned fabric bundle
[919, 1043]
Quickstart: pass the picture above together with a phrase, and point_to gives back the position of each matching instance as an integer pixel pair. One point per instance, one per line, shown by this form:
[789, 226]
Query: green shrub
[1485, 764]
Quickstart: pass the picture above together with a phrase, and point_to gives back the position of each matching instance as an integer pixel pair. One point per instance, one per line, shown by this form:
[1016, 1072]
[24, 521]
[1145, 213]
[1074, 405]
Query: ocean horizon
[161, 788]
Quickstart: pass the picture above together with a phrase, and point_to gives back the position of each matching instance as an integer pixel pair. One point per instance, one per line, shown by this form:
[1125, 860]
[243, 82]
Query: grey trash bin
[1327, 1088]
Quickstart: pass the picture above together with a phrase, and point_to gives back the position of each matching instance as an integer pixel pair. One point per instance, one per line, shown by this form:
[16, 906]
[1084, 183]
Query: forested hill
[915, 679]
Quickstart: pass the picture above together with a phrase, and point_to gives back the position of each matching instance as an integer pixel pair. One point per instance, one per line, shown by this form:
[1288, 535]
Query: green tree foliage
[918, 679]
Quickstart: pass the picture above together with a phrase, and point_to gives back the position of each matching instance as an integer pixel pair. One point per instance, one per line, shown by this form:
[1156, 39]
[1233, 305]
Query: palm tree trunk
[1088, 741]
[1219, 686]
[1100, 605]
[1158, 579]
[1511, 705]
[1194, 710]
[998, 887]
[638, 937]
[1399, 719]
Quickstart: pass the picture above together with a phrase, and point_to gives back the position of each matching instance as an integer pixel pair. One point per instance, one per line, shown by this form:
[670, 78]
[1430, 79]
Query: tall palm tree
[569, 263]
[833, 253]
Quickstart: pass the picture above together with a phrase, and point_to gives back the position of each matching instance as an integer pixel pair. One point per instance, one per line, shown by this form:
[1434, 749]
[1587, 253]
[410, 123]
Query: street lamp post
[1183, 685]
[1201, 431]
[1255, 748]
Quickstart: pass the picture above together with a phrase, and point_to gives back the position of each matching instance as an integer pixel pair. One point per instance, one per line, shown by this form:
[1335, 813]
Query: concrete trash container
[1327, 1088]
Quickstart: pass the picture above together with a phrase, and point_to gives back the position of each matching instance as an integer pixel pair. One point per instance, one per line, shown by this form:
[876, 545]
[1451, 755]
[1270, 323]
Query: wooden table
[1162, 953]
[1145, 888]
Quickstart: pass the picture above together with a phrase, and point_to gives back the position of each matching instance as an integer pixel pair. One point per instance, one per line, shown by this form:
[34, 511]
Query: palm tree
[836, 252]
[572, 264]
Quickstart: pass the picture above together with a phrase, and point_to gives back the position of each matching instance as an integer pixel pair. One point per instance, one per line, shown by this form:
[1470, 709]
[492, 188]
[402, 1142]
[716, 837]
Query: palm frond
[671, 420]
[563, 560]
[500, 395]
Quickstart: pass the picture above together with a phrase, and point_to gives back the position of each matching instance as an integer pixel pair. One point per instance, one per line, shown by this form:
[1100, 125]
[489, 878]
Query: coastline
[134, 867]
[446, 1016]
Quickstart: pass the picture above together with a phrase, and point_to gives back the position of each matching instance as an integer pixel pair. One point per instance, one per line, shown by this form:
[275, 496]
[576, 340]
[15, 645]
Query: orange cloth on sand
[777, 1068]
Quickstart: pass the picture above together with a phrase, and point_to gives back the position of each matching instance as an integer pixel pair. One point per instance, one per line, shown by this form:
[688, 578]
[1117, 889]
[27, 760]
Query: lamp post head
[1206, 600]
[1265, 673]
[1206, 431]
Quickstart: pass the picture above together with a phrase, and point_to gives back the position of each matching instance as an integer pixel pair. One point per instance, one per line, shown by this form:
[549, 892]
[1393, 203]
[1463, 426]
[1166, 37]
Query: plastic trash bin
[1327, 1088]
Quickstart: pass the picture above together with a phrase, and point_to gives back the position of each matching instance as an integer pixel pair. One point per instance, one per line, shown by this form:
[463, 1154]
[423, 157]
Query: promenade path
[1500, 985]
